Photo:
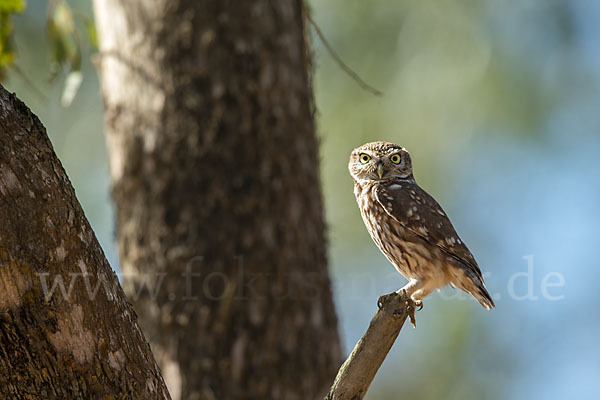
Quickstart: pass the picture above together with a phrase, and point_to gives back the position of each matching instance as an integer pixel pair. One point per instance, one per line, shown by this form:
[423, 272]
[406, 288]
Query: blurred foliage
[66, 39]
[7, 53]
[66, 31]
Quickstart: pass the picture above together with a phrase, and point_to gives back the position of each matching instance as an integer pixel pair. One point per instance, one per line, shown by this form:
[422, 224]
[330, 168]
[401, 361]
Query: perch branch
[357, 372]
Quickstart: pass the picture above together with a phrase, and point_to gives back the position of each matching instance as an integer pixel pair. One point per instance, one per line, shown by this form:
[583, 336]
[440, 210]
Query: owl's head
[380, 161]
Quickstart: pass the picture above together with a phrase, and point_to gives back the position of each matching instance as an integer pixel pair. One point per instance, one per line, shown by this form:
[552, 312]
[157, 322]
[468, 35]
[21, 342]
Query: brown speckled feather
[407, 203]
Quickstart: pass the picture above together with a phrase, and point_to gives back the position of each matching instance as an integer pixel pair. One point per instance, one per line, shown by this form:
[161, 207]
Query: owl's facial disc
[380, 162]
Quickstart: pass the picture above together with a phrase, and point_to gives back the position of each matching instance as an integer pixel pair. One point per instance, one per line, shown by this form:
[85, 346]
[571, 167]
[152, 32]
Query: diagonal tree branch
[67, 330]
[357, 372]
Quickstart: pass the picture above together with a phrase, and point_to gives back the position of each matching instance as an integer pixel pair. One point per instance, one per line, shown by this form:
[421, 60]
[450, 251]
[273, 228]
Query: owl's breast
[410, 254]
[387, 233]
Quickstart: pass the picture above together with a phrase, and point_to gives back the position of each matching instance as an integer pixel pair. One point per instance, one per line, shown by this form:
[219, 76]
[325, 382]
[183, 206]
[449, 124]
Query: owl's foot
[418, 304]
[411, 306]
[413, 321]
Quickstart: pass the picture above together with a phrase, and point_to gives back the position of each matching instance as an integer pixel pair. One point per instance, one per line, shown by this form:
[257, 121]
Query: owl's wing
[418, 212]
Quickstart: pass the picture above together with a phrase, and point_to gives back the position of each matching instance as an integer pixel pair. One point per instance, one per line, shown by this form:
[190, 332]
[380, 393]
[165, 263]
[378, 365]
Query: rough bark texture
[357, 372]
[214, 164]
[82, 345]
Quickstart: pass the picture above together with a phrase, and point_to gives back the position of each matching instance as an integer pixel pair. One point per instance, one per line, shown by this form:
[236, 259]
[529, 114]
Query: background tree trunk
[214, 164]
[82, 340]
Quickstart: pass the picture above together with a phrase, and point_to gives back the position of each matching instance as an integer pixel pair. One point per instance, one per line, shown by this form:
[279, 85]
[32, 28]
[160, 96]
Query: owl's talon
[413, 321]
[419, 304]
[411, 315]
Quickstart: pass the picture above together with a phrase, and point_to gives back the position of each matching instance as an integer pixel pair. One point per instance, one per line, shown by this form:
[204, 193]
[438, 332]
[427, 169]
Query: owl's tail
[483, 297]
[472, 283]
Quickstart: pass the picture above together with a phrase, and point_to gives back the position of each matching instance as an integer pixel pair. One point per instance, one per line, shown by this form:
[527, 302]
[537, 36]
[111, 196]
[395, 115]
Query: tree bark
[78, 339]
[214, 164]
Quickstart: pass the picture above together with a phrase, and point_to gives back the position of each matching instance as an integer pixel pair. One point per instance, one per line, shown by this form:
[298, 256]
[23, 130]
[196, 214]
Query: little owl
[409, 226]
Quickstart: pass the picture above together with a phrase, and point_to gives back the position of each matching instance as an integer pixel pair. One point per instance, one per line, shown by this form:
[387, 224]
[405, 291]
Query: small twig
[341, 62]
[357, 372]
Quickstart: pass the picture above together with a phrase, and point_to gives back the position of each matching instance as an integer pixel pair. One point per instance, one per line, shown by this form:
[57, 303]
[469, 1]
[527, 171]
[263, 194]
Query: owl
[409, 226]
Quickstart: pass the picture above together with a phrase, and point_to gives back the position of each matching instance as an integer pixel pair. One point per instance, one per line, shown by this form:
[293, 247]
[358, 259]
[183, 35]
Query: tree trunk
[67, 330]
[214, 164]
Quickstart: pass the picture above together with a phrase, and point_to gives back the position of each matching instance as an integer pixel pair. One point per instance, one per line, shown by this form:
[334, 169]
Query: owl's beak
[380, 170]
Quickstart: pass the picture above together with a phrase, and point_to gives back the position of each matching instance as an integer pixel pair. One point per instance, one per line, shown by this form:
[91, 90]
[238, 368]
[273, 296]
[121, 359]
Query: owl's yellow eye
[364, 158]
[395, 158]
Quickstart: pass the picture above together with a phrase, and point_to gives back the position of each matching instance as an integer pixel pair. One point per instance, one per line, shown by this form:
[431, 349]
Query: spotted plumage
[410, 228]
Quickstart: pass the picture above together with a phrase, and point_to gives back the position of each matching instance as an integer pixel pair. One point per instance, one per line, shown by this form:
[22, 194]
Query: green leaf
[63, 38]
[62, 18]
[11, 6]
[7, 54]
[92, 33]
